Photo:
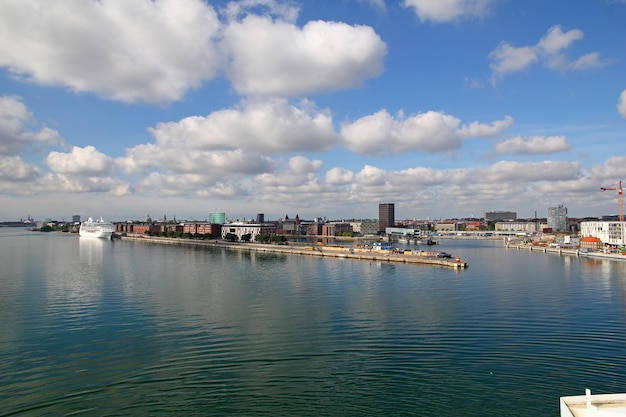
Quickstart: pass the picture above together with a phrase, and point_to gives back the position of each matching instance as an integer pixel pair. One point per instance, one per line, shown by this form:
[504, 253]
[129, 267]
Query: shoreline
[571, 252]
[310, 250]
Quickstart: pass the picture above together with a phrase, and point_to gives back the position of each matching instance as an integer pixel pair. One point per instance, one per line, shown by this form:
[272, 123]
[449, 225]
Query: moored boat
[98, 229]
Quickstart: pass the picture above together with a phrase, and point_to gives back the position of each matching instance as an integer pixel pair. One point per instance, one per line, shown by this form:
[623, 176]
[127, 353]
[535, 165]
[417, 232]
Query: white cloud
[298, 172]
[269, 126]
[87, 161]
[215, 164]
[19, 129]
[339, 176]
[14, 170]
[613, 169]
[535, 145]
[232, 145]
[588, 61]
[371, 176]
[440, 11]
[621, 104]
[556, 40]
[140, 50]
[83, 184]
[154, 51]
[381, 133]
[506, 58]
[278, 58]
[522, 172]
[189, 185]
[302, 165]
[476, 129]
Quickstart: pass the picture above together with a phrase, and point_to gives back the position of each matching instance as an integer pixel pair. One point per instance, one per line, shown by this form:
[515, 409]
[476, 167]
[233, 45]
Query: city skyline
[321, 108]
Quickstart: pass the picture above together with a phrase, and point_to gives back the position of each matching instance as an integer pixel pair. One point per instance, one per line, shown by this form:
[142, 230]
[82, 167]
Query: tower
[386, 216]
[557, 218]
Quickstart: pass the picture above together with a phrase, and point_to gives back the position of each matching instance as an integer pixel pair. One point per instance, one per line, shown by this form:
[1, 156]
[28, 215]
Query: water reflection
[128, 328]
[91, 250]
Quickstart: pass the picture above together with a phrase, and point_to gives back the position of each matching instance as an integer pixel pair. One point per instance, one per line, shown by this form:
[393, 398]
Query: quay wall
[320, 251]
[571, 252]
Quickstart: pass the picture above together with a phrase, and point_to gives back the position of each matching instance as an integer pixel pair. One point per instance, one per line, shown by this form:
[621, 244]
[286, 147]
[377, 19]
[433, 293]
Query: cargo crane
[620, 198]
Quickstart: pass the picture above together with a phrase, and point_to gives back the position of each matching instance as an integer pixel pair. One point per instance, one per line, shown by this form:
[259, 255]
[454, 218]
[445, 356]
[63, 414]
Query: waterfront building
[386, 216]
[517, 227]
[494, 216]
[557, 218]
[474, 226]
[446, 227]
[402, 232]
[365, 227]
[569, 241]
[202, 228]
[609, 233]
[592, 244]
[334, 229]
[137, 228]
[253, 229]
[217, 218]
[289, 226]
[314, 229]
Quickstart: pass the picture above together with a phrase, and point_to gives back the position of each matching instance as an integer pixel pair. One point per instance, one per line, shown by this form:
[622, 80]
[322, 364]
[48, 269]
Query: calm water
[92, 327]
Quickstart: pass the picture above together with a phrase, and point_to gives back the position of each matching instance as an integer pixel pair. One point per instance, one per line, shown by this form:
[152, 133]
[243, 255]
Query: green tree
[278, 239]
[231, 237]
[262, 238]
[246, 238]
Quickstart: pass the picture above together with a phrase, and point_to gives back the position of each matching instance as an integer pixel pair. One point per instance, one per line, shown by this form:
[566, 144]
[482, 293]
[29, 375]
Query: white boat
[99, 229]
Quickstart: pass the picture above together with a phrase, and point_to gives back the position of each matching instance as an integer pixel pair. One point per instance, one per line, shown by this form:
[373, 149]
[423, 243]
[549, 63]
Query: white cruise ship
[99, 229]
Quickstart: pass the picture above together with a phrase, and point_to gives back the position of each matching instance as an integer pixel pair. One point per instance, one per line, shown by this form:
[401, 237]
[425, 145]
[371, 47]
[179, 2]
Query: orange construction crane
[621, 198]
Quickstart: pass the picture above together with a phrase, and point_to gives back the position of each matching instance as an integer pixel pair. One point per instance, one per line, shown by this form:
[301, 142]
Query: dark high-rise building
[386, 216]
[498, 216]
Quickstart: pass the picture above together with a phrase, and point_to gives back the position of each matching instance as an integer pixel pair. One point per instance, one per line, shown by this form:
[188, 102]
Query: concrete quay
[407, 257]
[562, 251]
[545, 249]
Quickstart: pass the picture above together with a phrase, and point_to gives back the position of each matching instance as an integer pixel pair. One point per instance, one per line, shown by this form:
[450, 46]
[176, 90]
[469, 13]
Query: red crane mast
[620, 198]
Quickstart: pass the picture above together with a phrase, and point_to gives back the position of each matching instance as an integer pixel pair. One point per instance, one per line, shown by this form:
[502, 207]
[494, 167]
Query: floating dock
[407, 257]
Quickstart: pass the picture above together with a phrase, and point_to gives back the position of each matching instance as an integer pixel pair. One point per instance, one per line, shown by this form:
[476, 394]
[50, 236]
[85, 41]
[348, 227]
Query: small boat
[99, 229]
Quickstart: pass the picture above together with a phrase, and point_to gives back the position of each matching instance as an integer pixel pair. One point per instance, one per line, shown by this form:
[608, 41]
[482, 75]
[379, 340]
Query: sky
[321, 108]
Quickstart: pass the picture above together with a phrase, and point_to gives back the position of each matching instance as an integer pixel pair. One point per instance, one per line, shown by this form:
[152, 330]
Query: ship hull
[98, 230]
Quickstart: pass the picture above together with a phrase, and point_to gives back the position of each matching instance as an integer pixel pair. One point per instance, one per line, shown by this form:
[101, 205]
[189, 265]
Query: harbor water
[95, 327]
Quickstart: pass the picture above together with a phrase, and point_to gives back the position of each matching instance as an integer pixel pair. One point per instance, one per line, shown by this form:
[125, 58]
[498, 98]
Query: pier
[347, 252]
[566, 251]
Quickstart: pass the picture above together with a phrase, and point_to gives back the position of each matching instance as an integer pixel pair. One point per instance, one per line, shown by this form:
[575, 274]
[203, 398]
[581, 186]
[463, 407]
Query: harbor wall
[309, 250]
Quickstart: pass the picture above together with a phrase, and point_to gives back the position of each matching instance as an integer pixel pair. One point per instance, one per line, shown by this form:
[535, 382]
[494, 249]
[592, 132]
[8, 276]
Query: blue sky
[448, 108]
